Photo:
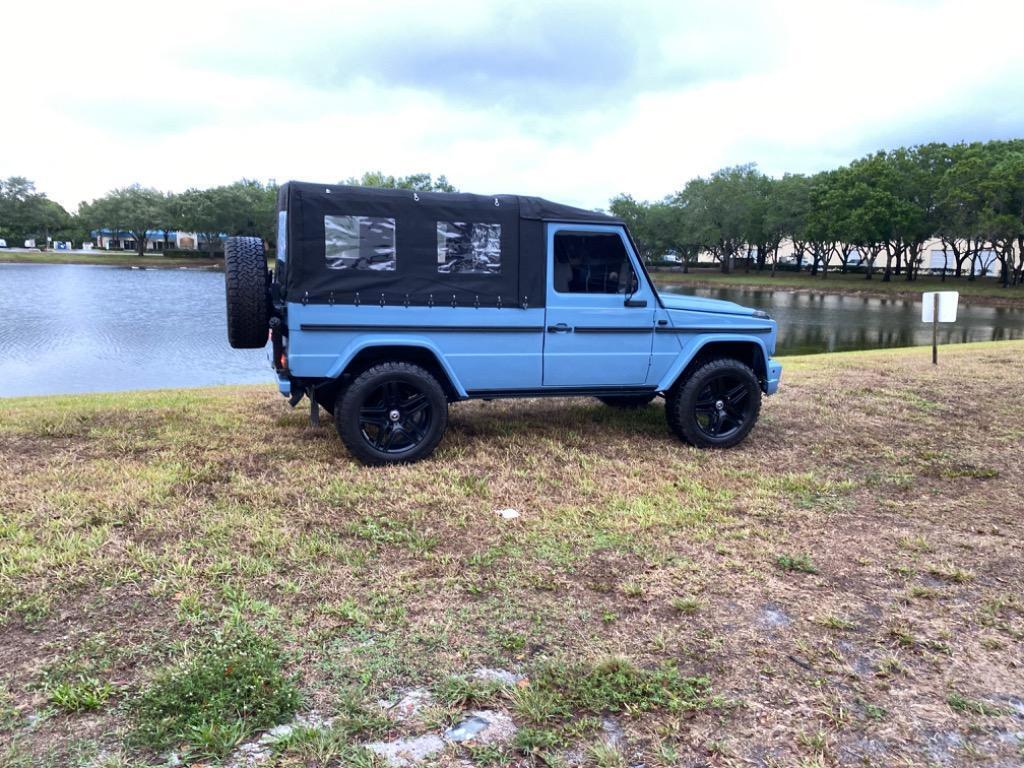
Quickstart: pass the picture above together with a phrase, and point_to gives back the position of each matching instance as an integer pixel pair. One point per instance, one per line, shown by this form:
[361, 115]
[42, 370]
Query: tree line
[244, 207]
[877, 212]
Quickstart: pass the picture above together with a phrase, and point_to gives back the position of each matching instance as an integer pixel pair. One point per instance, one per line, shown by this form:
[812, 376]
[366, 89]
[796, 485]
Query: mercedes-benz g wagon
[384, 306]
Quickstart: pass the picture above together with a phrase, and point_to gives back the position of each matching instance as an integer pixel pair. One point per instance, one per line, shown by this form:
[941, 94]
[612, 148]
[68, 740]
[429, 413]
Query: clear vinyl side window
[468, 248]
[360, 242]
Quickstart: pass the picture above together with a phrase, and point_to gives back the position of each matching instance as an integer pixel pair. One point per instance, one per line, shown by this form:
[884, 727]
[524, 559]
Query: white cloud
[578, 102]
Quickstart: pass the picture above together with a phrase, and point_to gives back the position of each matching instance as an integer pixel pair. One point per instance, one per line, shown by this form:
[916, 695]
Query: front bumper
[771, 385]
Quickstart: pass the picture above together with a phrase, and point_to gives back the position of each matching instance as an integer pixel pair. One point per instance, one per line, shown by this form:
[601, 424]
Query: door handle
[635, 303]
[559, 328]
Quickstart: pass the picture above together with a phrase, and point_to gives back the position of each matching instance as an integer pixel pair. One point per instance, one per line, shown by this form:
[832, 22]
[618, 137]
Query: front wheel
[392, 413]
[717, 406]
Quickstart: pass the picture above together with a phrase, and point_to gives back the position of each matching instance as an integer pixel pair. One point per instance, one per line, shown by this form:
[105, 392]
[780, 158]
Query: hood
[700, 304]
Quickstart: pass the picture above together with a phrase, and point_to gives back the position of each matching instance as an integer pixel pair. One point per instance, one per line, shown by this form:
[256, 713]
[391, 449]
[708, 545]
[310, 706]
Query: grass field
[106, 259]
[843, 589]
[982, 290]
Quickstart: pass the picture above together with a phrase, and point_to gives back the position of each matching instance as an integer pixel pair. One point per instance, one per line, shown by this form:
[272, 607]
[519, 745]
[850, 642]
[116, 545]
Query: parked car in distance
[671, 258]
[385, 306]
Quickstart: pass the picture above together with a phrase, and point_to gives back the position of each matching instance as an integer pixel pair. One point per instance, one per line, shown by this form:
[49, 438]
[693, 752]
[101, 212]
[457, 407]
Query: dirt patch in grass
[848, 582]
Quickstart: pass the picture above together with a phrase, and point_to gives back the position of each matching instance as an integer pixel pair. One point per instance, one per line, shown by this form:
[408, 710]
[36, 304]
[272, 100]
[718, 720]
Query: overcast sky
[575, 101]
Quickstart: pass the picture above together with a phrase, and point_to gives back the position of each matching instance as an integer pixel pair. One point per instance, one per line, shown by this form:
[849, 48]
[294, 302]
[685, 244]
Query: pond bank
[860, 551]
[109, 260]
[984, 292]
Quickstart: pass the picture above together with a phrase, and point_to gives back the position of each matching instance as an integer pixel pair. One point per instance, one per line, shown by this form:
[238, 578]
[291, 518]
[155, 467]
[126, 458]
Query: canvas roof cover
[367, 245]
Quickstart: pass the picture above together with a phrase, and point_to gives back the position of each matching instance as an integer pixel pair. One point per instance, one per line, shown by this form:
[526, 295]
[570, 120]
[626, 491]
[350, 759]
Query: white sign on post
[938, 307]
[947, 302]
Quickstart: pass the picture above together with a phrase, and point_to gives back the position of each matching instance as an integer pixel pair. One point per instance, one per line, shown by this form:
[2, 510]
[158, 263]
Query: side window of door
[592, 262]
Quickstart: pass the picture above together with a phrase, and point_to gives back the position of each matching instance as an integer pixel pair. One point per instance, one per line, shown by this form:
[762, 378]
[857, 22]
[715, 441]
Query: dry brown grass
[131, 522]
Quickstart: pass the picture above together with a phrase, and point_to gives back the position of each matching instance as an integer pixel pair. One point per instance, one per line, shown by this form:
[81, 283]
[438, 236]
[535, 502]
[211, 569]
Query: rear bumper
[284, 384]
[771, 385]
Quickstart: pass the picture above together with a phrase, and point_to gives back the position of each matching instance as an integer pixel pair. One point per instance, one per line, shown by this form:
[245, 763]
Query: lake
[73, 328]
[824, 322]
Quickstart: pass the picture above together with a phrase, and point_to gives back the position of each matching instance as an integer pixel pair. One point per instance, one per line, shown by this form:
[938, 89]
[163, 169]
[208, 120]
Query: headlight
[762, 314]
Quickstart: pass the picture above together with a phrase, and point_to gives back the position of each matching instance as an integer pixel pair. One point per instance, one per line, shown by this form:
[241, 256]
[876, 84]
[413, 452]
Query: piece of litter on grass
[508, 513]
[483, 727]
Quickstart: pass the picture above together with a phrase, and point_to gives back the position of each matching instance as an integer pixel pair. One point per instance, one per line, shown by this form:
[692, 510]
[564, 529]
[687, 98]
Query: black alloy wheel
[395, 417]
[716, 406]
[723, 406]
[392, 413]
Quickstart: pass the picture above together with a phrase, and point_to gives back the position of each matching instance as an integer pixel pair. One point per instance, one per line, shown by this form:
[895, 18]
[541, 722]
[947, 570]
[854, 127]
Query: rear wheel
[717, 406]
[392, 413]
[248, 292]
[627, 401]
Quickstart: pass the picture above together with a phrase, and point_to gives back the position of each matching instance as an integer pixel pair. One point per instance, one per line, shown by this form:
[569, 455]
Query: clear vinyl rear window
[360, 242]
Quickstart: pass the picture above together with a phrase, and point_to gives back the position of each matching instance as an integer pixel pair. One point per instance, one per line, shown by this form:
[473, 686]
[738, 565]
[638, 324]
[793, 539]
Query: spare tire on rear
[248, 292]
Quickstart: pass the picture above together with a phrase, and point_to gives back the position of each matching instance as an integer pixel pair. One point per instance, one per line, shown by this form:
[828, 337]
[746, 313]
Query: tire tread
[248, 298]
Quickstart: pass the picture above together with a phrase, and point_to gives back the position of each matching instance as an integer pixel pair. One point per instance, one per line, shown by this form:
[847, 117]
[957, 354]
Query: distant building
[156, 240]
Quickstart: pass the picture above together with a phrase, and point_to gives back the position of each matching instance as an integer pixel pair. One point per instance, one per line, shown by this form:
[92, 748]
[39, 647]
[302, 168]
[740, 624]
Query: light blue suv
[385, 306]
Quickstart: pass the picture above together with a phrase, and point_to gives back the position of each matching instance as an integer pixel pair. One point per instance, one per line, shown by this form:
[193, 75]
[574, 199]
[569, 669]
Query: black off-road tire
[627, 402]
[365, 411]
[248, 292]
[725, 392]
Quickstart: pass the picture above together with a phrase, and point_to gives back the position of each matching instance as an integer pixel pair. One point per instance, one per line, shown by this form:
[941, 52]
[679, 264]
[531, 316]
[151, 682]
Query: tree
[763, 231]
[141, 211]
[637, 217]
[419, 182]
[787, 212]
[718, 210]
[134, 210]
[28, 214]
[959, 203]
[203, 211]
[1001, 219]
[821, 226]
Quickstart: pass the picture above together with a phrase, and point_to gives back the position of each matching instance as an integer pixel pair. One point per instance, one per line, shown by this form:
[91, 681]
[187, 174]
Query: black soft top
[416, 279]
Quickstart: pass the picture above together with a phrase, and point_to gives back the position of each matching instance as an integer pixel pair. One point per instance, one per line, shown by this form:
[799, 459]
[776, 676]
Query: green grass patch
[960, 703]
[559, 691]
[324, 747]
[687, 606]
[465, 693]
[231, 685]
[8, 712]
[796, 563]
[82, 694]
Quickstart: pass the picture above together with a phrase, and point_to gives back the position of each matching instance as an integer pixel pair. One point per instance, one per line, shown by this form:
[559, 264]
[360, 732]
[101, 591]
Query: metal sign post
[938, 307]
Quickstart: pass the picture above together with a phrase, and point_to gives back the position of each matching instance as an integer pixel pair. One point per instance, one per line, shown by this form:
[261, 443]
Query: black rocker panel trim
[426, 328]
[712, 329]
[560, 392]
[614, 329]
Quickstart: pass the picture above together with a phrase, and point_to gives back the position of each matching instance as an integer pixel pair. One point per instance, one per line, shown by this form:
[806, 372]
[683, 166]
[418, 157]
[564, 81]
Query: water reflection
[73, 328]
[821, 322]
